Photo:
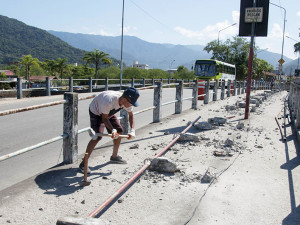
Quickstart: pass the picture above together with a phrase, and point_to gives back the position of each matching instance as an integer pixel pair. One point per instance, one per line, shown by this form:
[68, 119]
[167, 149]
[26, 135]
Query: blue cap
[132, 95]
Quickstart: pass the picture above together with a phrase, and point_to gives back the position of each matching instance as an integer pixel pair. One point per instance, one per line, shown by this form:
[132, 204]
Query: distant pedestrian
[102, 112]
[272, 83]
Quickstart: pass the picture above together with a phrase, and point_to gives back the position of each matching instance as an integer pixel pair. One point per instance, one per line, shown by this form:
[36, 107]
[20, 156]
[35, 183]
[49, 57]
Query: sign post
[253, 22]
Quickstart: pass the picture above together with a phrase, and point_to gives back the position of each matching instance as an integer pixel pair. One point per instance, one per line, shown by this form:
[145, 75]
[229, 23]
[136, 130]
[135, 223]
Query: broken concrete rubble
[217, 120]
[203, 126]
[188, 137]
[163, 164]
[208, 177]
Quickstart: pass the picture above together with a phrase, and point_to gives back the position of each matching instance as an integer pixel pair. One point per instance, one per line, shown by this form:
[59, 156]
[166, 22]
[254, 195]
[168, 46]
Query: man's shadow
[64, 181]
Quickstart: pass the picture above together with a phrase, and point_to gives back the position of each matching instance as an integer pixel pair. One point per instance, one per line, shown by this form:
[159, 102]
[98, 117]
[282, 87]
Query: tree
[28, 61]
[183, 73]
[297, 47]
[235, 51]
[96, 57]
[61, 66]
[260, 66]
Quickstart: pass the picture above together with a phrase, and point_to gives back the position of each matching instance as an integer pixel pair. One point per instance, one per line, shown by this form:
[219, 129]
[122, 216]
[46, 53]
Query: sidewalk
[259, 184]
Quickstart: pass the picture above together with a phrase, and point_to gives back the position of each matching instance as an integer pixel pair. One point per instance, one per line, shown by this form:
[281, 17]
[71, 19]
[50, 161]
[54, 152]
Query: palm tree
[95, 57]
[61, 66]
[28, 61]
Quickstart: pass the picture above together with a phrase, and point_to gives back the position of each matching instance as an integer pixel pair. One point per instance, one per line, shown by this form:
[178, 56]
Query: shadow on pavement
[293, 218]
[56, 181]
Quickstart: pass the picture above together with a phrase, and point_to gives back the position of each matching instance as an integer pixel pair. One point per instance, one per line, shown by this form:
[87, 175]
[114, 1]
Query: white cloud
[211, 32]
[298, 13]
[189, 33]
[276, 31]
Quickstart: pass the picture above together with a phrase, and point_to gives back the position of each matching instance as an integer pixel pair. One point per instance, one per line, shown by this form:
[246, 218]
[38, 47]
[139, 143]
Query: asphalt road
[28, 128]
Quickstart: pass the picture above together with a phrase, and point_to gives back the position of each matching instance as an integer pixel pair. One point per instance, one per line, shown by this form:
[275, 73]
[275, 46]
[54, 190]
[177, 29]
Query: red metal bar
[137, 174]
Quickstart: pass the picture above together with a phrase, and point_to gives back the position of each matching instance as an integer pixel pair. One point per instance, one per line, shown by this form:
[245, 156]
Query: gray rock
[217, 120]
[188, 137]
[208, 177]
[240, 126]
[203, 126]
[242, 104]
[163, 164]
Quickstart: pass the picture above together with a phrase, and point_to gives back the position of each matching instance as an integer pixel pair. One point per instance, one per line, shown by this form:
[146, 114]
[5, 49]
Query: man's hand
[114, 134]
[131, 134]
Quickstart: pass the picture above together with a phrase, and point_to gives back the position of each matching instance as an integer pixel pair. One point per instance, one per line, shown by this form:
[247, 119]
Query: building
[10, 75]
[140, 66]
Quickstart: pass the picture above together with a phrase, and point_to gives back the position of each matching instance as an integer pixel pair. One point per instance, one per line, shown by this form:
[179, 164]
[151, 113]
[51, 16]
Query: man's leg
[117, 143]
[92, 143]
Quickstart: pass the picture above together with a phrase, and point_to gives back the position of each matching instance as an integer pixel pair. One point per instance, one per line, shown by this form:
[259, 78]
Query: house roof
[7, 72]
[41, 78]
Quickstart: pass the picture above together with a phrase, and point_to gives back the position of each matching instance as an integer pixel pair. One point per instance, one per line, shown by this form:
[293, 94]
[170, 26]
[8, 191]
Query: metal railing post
[215, 90]
[70, 84]
[106, 84]
[195, 95]
[48, 87]
[179, 94]
[124, 121]
[144, 82]
[152, 81]
[70, 128]
[19, 88]
[243, 86]
[239, 87]
[157, 102]
[223, 89]
[90, 84]
[132, 82]
[234, 88]
[206, 92]
[228, 88]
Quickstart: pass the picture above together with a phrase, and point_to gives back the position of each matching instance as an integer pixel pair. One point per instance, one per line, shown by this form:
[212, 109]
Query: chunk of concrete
[208, 177]
[163, 164]
[203, 126]
[217, 120]
[240, 126]
[188, 137]
[242, 104]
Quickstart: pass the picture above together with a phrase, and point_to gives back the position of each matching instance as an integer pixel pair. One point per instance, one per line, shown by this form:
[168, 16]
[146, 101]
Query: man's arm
[106, 122]
[131, 120]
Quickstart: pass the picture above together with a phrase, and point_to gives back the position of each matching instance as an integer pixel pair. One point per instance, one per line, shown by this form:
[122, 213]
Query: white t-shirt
[107, 101]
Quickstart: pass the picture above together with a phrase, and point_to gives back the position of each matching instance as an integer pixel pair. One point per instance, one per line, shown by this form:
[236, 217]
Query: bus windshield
[205, 70]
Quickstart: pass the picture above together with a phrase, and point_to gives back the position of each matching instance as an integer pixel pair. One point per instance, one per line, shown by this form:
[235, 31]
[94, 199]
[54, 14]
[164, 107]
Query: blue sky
[159, 21]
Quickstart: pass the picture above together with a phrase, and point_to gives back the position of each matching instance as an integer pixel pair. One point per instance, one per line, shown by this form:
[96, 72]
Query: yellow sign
[281, 61]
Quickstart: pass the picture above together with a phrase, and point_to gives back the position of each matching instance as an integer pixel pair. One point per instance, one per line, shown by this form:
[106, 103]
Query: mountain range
[18, 39]
[155, 55]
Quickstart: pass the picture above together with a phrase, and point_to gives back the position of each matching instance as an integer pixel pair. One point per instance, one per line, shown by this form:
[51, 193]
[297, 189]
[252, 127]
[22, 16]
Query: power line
[148, 14]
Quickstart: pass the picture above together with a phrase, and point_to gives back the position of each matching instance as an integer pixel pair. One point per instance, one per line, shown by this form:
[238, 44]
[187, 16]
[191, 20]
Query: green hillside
[18, 39]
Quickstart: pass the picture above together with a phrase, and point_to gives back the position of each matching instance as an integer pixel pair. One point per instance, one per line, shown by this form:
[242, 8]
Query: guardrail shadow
[294, 217]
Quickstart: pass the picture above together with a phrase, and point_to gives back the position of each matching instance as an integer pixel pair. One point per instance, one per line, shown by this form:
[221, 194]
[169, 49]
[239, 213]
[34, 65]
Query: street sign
[259, 15]
[281, 61]
[254, 15]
